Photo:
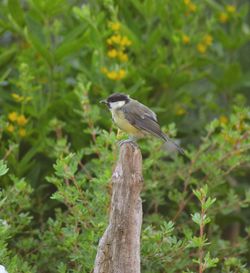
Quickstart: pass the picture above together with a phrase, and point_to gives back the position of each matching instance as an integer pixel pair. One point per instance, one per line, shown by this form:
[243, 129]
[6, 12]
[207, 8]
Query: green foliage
[186, 60]
[3, 168]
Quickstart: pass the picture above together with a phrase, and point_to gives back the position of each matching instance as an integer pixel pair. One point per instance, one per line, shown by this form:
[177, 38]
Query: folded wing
[143, 119]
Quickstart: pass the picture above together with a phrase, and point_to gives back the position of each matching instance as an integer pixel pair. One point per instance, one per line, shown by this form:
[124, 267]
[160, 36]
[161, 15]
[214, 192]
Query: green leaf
[66, 167]
[201, 193]
[198, 219]
[3, 168]
[7, 56]
[36, 37]
[69, 47]
[16, 11]
[208, 203]
[167, 227]
[210, 262]
[232, 76]
[197, 242]
[83, 12]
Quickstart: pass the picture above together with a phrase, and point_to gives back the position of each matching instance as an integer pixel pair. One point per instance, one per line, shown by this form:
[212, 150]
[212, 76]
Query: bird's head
[116, 100]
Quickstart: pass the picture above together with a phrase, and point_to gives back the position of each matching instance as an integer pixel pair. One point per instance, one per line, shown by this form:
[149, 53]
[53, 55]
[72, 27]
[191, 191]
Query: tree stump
[119, 247]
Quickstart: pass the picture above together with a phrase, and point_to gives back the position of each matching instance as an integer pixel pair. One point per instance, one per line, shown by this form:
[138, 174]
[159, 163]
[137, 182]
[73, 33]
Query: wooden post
[119, 247]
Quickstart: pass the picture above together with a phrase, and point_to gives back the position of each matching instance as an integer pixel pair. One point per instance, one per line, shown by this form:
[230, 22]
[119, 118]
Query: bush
[186, 60]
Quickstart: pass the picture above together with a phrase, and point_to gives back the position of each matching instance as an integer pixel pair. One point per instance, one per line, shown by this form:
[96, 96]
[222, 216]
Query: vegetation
[187, 61]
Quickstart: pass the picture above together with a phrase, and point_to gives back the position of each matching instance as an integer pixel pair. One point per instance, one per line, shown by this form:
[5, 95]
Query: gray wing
[141, 117]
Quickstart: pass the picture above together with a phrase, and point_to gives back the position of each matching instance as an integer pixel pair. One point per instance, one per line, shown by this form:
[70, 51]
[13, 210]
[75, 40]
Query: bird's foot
[130, 140]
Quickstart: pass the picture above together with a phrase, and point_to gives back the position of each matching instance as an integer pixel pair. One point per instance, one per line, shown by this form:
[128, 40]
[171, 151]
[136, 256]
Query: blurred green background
[189, 61]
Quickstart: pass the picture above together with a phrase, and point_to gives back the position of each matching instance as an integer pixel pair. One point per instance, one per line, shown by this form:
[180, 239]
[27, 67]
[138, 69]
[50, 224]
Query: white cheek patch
[117, 104]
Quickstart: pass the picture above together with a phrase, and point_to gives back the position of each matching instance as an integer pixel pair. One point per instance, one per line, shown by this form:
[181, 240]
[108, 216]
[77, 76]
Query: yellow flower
[123, 57]
[121, 74]
[112, 53]
[116, 39]
[116, 75]
[223, 17]
[192, 7]
[231, 8]
[185, 39]
[208, 40]
[112, 75]
[22, 132]
[12, 116]
[125, 41]
[17, 97]
[115, 26]
[201, 48]
[109, 41]
[10, 128]
[186, 2]
[223, 120]
[21, 120]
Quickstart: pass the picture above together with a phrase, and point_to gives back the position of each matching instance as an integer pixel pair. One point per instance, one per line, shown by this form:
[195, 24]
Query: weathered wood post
[119, 247]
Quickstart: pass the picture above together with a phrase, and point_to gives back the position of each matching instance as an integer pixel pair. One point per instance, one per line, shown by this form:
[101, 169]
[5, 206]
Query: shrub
[186, 60]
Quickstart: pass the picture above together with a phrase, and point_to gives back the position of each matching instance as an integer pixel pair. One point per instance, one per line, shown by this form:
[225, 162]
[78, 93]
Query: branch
[119, 247]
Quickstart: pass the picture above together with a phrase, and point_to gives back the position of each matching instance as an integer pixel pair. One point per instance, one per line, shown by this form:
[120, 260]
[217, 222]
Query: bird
[135, 118]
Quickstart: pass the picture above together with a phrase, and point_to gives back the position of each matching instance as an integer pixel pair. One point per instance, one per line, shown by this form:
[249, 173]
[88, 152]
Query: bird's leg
[131, 140]
[119, 133]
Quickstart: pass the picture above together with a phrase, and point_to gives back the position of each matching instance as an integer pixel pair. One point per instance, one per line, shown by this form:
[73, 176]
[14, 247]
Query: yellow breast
[124, 125]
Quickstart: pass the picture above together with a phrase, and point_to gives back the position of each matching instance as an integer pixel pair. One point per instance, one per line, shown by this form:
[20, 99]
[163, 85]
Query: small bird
[134, 118]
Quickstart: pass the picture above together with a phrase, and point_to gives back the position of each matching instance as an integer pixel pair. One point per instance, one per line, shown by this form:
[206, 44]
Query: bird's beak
[103, 101]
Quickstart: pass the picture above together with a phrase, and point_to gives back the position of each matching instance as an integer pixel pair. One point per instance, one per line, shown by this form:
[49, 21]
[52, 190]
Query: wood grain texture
[119, 248]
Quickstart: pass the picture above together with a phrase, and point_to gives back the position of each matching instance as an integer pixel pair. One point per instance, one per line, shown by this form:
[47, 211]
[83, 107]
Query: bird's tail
[168, 139]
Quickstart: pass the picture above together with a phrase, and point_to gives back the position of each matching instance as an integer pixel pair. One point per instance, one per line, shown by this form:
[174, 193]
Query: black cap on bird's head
[116, 97]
